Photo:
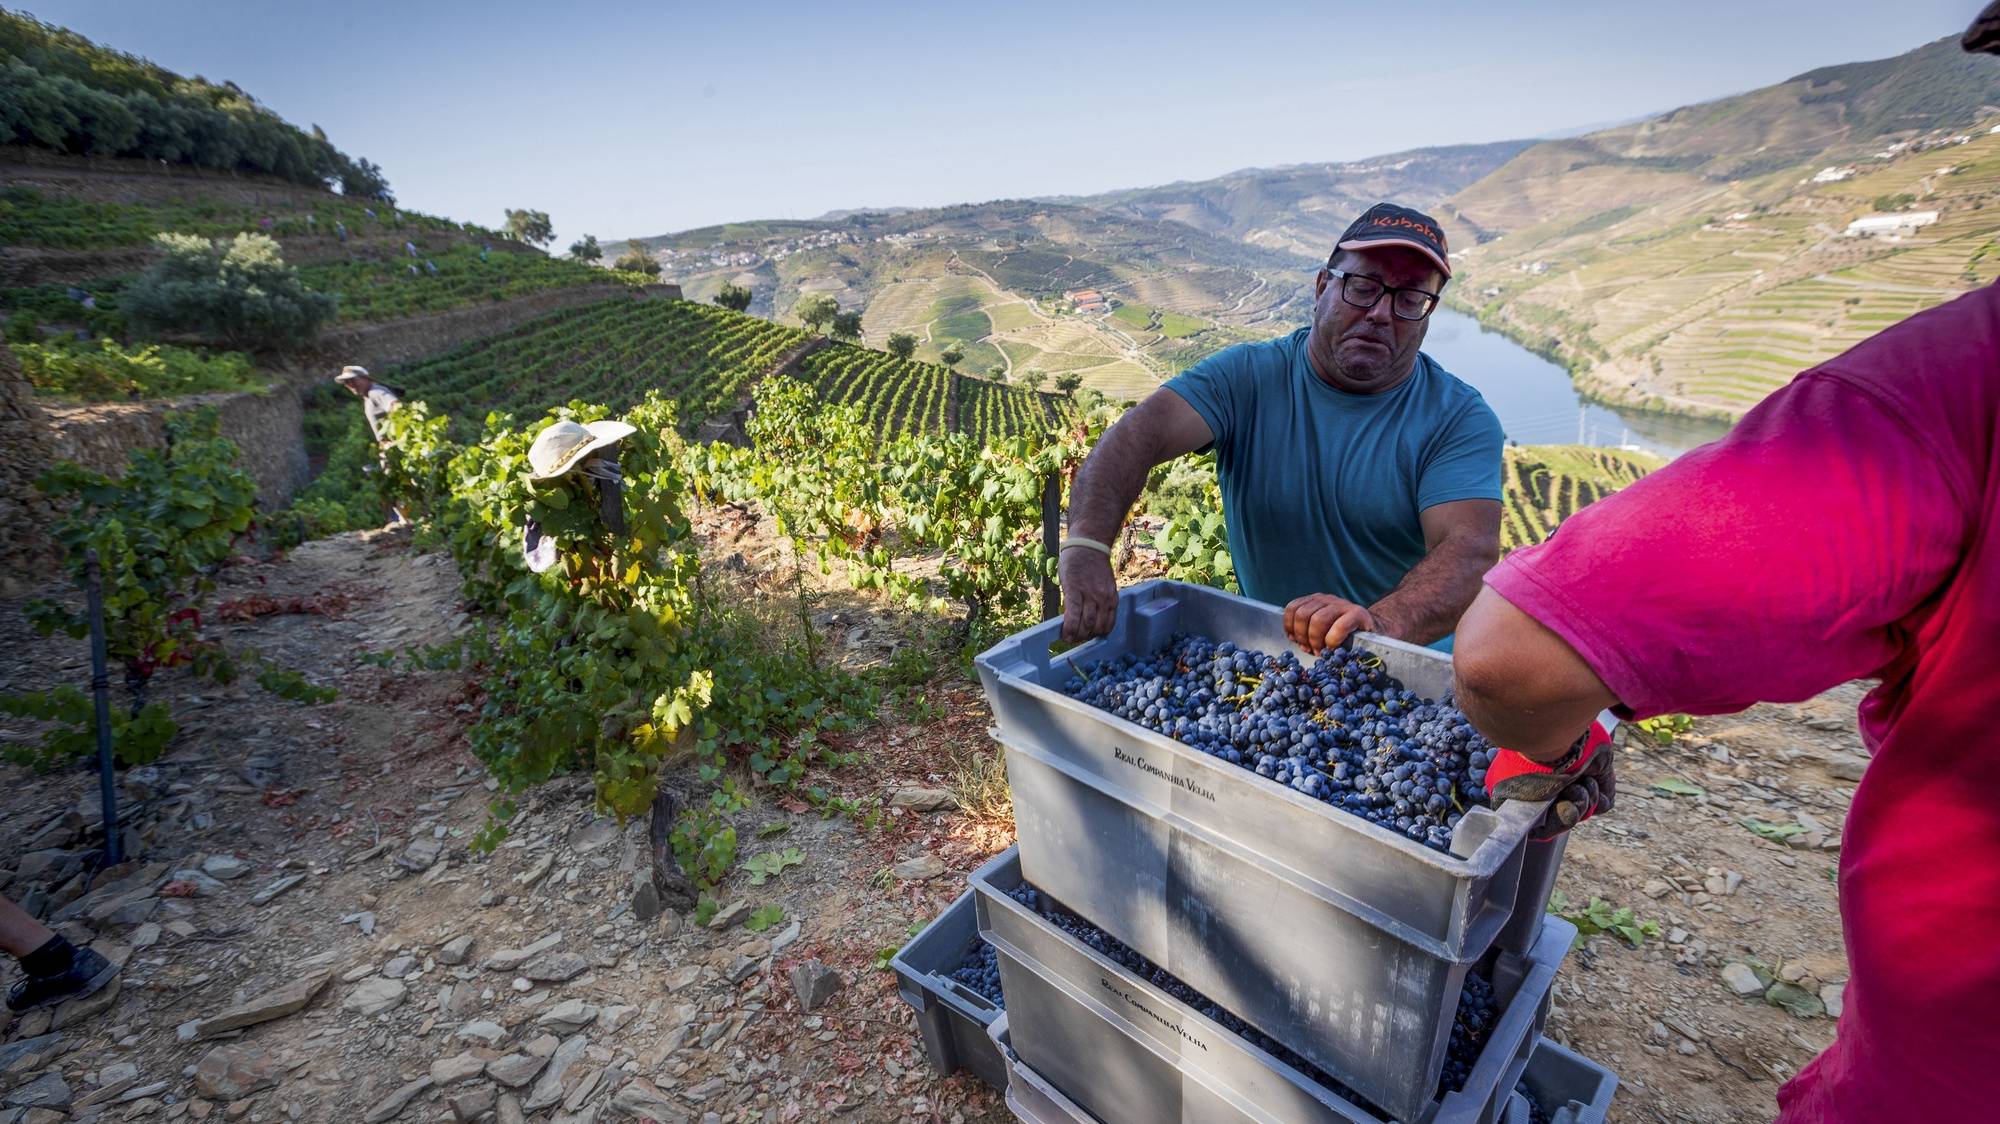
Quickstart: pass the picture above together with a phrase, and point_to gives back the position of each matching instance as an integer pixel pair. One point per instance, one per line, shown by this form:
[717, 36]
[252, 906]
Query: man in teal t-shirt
[1360, 480]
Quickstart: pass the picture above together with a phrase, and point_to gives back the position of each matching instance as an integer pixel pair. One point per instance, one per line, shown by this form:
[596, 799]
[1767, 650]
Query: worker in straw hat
[567, 449]
[378, 401]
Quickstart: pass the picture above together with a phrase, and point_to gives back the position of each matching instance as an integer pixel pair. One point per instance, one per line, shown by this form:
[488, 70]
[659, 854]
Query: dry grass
[981, 786]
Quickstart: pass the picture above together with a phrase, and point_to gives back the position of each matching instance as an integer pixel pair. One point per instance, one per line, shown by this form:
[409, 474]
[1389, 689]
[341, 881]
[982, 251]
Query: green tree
[846, 326]
[997, 373]
[1067, 384]
[530, 226]
[733, 297]
[902, 345]
[952, 355]
[815, 311]
[1035, 377]
[235, 291]
[586, 249]
[363, 179]
[635, 259]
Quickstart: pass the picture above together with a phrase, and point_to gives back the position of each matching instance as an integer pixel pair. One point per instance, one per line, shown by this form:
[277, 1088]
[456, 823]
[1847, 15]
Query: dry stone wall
[27, 554]
[266, 426]
[109, 179]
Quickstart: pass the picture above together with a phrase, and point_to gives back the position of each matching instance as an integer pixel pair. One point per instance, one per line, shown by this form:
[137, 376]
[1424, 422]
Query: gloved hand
[1581, 785]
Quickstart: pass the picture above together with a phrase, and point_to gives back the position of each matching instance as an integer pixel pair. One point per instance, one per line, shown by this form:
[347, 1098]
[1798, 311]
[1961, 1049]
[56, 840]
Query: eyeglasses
[1363, 291]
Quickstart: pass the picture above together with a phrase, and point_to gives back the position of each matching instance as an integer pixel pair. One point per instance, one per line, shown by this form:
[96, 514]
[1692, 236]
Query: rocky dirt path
[308, 935]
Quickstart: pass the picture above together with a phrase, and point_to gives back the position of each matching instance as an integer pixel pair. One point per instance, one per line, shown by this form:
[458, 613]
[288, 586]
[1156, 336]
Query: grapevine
[158, 532]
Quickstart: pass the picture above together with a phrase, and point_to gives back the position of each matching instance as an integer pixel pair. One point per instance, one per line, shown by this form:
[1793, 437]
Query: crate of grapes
[1128, 1042]
[946, 973]
[1566, 1087]
[1031, 1099]
[1318, 862]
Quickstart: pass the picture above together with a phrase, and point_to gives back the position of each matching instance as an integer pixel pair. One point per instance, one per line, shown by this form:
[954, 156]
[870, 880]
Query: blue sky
[629, 119]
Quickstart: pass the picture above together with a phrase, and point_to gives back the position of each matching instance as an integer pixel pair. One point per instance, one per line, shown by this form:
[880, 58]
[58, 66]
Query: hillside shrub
[815, 311]
[102, 369]
[60, 91]
[235, 291]
[635, 259]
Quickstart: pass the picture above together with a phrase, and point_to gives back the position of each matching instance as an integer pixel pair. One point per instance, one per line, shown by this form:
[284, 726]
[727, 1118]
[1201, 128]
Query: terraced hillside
[1546, 484]
[896, 395]
[380, 262]
[706, 360]
[612, 352]
[1698, 280]
[906, 395]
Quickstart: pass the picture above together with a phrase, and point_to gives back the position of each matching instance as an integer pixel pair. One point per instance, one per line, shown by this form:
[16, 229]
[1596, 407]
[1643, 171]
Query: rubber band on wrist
[1088, 544]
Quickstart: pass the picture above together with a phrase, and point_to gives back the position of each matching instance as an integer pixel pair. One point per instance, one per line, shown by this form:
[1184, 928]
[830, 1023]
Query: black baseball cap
[1983, 37]
[1386, 224]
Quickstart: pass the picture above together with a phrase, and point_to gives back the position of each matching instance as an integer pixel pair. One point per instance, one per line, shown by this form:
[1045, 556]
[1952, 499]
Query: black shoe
[88, 973]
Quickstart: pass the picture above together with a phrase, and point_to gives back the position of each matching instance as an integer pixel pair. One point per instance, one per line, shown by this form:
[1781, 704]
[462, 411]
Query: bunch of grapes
[980, 971]
[1478, 1007]
[1536, 1113]
[1343, 731]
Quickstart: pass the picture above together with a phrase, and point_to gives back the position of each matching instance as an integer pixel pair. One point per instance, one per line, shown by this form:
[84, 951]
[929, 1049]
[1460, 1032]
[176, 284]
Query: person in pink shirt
[1847, 528]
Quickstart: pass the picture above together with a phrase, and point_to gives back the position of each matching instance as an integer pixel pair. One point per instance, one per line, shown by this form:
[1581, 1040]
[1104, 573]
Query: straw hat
[349, 374]
[564, 444]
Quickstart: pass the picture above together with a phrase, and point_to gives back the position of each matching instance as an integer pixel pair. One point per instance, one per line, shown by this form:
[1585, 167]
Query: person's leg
[20, 934]
[56, 970]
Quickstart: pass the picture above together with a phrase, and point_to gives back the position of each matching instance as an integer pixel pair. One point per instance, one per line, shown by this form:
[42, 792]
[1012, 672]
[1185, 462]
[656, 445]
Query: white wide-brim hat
[349, 374]
[564, 444]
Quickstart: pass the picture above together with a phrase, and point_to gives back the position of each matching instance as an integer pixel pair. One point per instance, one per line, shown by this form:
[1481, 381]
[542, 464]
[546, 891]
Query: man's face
[359, 385]
[1365, 350]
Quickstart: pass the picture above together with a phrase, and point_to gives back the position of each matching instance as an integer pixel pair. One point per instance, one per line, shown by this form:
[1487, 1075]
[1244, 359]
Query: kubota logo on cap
[1407, 222]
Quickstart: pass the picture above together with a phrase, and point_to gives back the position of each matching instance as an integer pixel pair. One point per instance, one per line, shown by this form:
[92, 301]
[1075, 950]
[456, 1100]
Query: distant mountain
[1302, 208]
[1695, 261]
[1688, 261]
[1014, 286]
[1834, 111]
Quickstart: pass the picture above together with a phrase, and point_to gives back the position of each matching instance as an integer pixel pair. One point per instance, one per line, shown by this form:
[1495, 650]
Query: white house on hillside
[1890, 226]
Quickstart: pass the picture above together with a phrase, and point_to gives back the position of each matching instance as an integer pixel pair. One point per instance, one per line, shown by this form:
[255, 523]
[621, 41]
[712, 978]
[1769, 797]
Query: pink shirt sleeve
[1777, 562]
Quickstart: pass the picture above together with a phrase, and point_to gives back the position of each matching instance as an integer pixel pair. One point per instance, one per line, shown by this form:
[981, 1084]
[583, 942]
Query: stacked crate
[1341, 940]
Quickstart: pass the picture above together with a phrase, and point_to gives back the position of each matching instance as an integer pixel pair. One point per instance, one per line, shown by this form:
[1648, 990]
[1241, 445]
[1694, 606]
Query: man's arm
[1159, 429]
[1461, 542]
[1522, 685]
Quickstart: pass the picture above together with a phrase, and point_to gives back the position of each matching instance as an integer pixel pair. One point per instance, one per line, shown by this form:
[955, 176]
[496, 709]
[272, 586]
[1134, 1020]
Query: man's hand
[1319, 621]
[1579, 789]
[1089, 593]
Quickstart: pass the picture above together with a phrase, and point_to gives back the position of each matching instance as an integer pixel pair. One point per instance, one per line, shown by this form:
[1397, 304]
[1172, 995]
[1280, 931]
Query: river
[1536, 402]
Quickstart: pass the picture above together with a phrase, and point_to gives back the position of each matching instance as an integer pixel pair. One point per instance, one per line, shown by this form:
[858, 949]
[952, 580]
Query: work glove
[1579, 785]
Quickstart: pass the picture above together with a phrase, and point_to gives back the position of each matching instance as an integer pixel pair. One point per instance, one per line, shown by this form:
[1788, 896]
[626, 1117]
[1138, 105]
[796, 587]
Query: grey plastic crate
[1312, 924]
[1125, 1051]
[1029, 1097]
[1571, 1088]
[952, 1018]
